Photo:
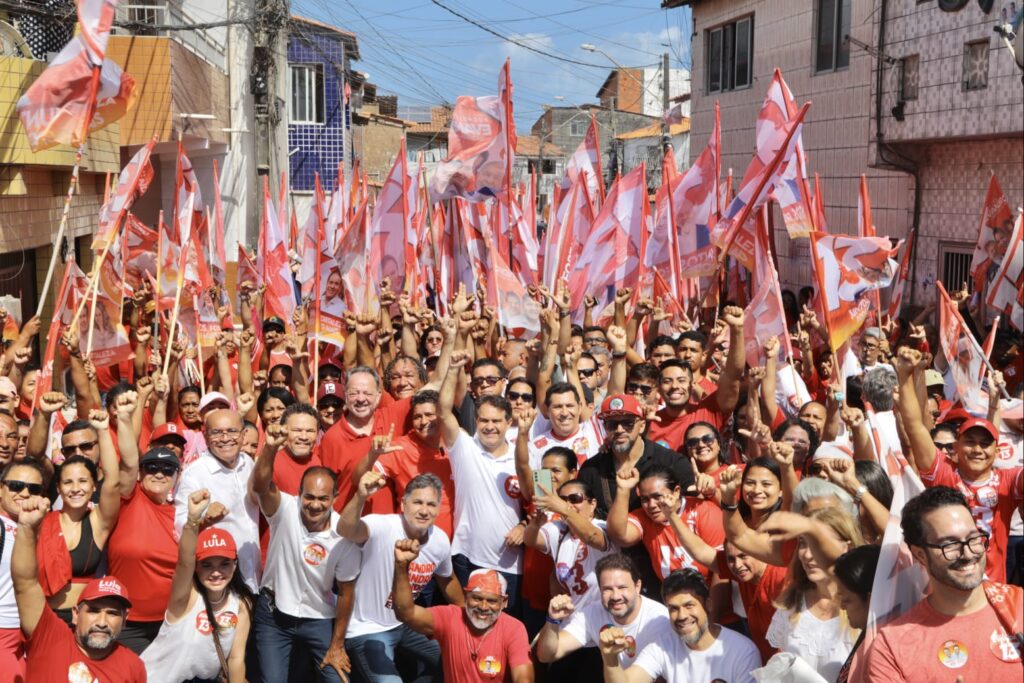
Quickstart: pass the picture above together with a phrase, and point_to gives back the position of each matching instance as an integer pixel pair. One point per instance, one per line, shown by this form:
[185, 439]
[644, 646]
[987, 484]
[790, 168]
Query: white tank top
[166, 659]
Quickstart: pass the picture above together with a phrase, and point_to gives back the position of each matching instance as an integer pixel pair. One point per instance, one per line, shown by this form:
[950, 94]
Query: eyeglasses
[947, 447]
[595, 340]
[698, 441]
[85, 447]
[954, 550]
[516, 396]
[166, 469]
[635, 387]
[574, 498]
[587, 373]
[222, 433]
[485, 381]
[626, 423]
[15, 486]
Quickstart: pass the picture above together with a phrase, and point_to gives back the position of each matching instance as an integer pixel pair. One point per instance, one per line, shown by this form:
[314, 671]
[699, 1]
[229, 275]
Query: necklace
[470, 638]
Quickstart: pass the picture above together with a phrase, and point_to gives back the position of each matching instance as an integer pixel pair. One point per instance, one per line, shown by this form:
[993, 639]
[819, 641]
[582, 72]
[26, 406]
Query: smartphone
[542, 478]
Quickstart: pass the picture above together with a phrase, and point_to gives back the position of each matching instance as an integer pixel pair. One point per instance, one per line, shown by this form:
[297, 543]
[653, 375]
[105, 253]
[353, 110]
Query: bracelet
[730, 507]
[548, 619]
[859, 494]
[194, 523]
[619, 355]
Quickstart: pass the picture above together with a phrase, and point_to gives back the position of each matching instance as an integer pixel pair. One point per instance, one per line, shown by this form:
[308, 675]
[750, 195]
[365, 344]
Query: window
[909, 66]
[832, 51]
[955, 259]
[975, 75]
[578, 127]
[307, 93]
[730, 55]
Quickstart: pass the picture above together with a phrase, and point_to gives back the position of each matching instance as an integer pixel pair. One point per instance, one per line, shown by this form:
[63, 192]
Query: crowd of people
[632, 499]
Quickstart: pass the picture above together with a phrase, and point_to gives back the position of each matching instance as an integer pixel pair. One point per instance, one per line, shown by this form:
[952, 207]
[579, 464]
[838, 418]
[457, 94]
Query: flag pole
[199, 342]
[175, 310]
[64, 216]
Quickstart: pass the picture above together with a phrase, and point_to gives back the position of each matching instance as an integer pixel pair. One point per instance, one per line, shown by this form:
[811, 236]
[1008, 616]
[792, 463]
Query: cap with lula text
[214, 542]
[105, 587]
[620, 405]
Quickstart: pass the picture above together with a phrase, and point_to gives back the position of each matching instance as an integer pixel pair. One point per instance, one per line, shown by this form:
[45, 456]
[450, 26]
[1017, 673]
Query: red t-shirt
[400, 467]
[757, 597]
[923, 645]
[288, 471]
[666, 552]
[143, 552]
[54, 655]
[471, 658]
[992, 504]
[671, 430]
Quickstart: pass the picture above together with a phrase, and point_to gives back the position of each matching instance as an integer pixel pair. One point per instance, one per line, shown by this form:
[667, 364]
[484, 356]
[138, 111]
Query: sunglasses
[516, 396]
[85, 447]
[626, 423]
[15, 486]
[595, 340]
[486, 381]
[948, 447]
[168, 470]
[574, 498]
[643, 389]
[587, 373]
[698, 441]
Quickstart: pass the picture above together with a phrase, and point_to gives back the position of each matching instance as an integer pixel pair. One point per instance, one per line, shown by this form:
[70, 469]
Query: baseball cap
[977, 422]
[955, 413]
[274, 321]
[105, 587]
[328, 389]
[933, 378]
[213, 397]
[620, 404]
[160, 454]
[214, 542]
[487, 581]
[165, 430]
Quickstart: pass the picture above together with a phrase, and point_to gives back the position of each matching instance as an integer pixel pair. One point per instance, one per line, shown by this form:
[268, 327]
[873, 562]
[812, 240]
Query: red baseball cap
[977, 422]
[167, 429]
[620, 404]
[329, 389]
[214, 542]
[105, 587]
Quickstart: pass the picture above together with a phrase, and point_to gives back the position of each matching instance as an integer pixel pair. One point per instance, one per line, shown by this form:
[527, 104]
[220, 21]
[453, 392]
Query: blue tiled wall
[321, 147]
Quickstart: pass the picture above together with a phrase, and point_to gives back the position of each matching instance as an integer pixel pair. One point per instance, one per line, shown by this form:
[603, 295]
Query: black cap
[160, 454]
[274, 321]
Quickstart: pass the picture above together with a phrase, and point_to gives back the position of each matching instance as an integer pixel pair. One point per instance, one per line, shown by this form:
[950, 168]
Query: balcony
[210, 45]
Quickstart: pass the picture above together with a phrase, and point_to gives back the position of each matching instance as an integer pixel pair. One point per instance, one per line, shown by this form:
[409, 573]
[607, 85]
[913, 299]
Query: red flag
[661, 252]
[80, 91]
[791, 189]
[586, 161]
[353, 256]
[847, 268]
[765, 317]
[820, 224]
[1004, 292]
[965, 357]
[391, 226]
[694, 199]
[866, 228]
[896, 297]
[279, 300]
[481, 147]
[994, 228]
[141, 243]
[132, 183]
[72, 289]
[569, 229]
[525, 247]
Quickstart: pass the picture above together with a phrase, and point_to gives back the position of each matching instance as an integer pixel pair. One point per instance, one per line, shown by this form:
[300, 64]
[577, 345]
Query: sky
[418, 50]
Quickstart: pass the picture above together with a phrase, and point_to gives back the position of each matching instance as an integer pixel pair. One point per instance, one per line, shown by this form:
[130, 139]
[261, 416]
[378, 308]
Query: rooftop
[654, 131]
[529, 146]
[347, 37]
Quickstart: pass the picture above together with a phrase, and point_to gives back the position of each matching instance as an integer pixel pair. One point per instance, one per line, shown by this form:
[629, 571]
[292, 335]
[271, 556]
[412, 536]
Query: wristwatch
[859, 493]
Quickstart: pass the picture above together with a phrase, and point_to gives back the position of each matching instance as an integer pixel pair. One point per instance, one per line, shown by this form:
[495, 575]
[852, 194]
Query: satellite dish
[12, 43]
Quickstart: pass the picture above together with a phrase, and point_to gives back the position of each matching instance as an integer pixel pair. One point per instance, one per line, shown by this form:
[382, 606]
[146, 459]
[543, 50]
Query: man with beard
[55, 653]
[641, 619]
[478, 640]
[966, 628]
[375, 637]
[694, 650]
[306, 560]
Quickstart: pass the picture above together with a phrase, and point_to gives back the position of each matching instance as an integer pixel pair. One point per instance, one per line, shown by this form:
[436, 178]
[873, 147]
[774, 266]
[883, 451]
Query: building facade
[642, 91]
[929, 169]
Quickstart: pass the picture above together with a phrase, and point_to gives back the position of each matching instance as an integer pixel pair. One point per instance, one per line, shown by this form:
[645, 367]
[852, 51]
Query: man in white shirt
[224, 470]
[694, 650]
[567, 630]
[488, 518]
[564, 410]
[306, 559]
[375, 638]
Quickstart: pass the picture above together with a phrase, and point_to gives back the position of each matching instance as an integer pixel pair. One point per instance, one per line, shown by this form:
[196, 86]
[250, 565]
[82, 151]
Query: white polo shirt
[373, 611]
[230, 487]
[302, 565]
[585, 442]
[487, 504]
[586, 624]
[731, 658]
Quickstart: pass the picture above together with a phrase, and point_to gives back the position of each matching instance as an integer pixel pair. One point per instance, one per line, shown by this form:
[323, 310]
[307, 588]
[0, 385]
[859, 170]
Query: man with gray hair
[879, 388]
[871, 349]
[375, 637]
[813, 494]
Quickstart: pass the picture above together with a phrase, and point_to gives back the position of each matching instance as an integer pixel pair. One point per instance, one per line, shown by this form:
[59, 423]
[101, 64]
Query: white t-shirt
[372, 612]
[305, 587]
[586, 624]
[730, 659]
[824, 645]
[486, 505]
[585, 442]
[575, 560]
[8, 606]
[229, 487]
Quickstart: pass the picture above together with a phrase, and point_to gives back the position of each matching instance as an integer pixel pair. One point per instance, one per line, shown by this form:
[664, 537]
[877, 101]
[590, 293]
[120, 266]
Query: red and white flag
[279, 299]
[132, 183]
[217, 258]
[900, 283]
[694, 200]
[847, 270]
[80, 91]
[866, 228]
[141, 245]
[791, 189]
[586, 162]
[963, 354]
[994, 228]
[1006, 291]
[481, 147]
[570, 224]
[72, 289]
[661, 251]
[353, 257]
[765, 317]
[391, 226]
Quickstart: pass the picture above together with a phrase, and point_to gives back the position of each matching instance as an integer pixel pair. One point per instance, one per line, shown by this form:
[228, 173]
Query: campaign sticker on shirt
[1003, 646]
[314, 554]
[630, 650]
[988, 496]
[511, 485]
[79, 673]
[953, 654]
[489, 667]
[225, 620]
